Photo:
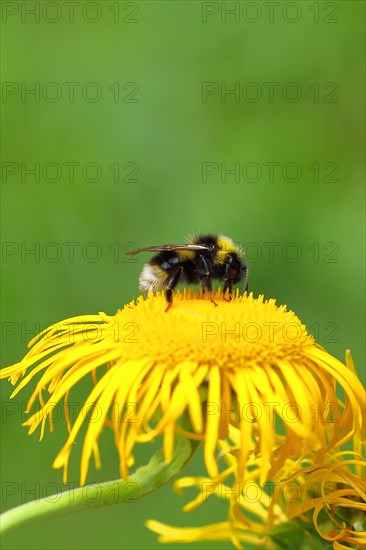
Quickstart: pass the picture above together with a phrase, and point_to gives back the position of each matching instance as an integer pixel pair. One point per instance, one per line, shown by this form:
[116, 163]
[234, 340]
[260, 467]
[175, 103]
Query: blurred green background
[133, 96]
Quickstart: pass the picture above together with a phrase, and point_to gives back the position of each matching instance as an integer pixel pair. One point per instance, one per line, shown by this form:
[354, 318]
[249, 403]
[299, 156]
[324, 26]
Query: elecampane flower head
[333, 494]
[307, 503]
[336, 499]
[329, 497]
[244, 364]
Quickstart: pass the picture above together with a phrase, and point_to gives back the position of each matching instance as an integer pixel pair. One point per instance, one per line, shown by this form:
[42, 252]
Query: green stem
[145, 480]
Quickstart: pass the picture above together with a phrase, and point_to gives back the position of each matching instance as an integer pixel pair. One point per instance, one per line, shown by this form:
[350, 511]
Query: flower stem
[145, 480]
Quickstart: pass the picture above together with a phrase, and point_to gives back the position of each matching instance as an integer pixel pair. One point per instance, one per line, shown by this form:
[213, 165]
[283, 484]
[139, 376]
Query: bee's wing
[169, 247]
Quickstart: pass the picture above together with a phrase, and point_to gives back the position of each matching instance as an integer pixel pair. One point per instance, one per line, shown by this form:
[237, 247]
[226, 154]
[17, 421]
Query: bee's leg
[246, 276]
[228, 285]
[207, 287]
[207, 279]
[172, 283]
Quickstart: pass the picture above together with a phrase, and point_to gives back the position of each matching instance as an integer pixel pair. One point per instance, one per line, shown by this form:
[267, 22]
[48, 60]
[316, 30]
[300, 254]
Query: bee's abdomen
[152, 278]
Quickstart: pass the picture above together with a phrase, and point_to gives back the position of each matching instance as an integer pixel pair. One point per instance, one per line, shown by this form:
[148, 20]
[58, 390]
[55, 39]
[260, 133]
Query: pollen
[235, 335]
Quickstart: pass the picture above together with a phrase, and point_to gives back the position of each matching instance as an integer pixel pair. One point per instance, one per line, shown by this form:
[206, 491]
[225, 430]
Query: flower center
[233, 334]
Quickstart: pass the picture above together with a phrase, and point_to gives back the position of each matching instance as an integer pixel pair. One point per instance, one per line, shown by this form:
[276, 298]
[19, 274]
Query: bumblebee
[203, 259]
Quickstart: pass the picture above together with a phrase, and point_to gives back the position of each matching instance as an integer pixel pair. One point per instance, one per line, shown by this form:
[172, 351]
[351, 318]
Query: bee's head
[242, 270]
[226, 252]
[237, 267]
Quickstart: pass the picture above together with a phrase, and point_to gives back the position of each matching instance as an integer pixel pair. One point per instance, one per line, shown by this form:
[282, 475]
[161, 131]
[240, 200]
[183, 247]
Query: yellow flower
[330, 495]
[335, 492]
[331, 492]
[245, 363]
